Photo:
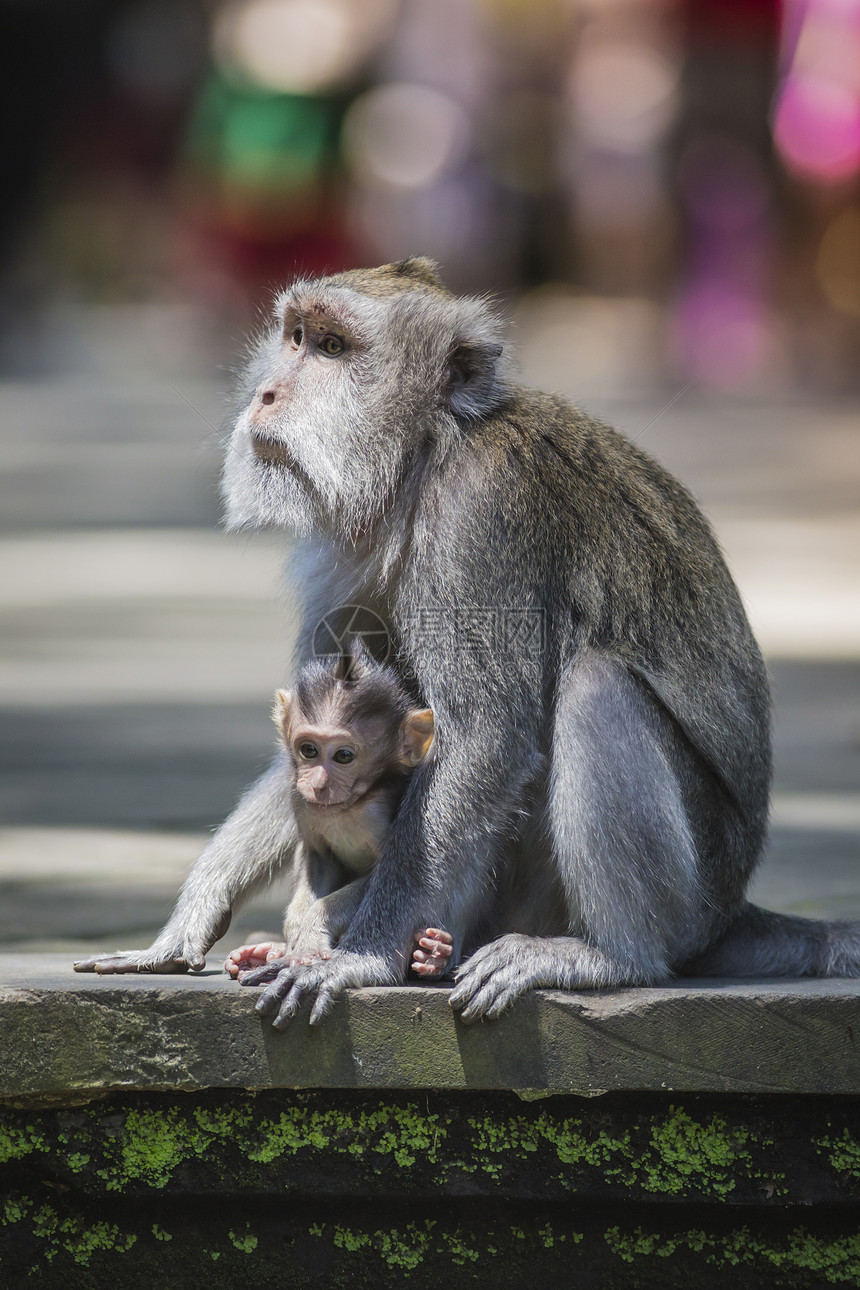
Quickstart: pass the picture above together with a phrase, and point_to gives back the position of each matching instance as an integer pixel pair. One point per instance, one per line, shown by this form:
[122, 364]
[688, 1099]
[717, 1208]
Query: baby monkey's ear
[282, 710]
[416, 736]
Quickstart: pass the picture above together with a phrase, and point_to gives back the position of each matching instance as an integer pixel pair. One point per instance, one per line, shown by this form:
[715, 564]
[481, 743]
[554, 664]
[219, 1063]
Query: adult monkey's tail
[758, 942]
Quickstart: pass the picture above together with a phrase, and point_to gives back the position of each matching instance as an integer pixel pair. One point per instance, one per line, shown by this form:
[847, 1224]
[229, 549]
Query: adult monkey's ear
[470, 378]
[420, 268]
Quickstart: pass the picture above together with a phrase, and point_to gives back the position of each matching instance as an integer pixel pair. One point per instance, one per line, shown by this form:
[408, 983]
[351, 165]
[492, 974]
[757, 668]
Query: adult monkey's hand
[321, 982]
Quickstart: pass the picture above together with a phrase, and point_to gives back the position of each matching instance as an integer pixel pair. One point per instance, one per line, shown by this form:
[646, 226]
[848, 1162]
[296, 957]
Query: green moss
[344, 1238]
[398, 1251]
[836, 1260]
[45, 1222]
[495, 1138]
[843, 1153]
[638, 1244]
[16, 1143]
[294, 1130]
[682, 1154]
[403, 1132]
[79, 1239]
[160, 1234]
[406, 1249]
[674, 1154]
[224, 1122]
[84, 1243]
[152, 1144]
[685, 1151]
[409, 1247]
[15, 1210]
[460, 1252]
[247, 1242]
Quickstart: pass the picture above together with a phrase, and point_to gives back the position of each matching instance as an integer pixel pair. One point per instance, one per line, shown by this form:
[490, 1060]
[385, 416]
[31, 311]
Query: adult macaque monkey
[352, 740]
[612, 767]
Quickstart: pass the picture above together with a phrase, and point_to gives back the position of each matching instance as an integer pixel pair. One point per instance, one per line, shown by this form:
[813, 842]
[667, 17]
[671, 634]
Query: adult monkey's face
[356, 376]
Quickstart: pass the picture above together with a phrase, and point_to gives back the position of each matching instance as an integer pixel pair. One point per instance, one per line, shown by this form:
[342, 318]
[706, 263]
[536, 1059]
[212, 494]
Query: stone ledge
[69, 1037]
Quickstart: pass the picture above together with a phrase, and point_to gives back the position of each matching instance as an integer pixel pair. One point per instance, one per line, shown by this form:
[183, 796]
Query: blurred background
[663, 196]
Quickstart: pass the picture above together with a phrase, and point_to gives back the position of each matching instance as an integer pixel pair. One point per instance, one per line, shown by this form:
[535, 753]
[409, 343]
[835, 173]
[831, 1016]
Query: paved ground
[141, 645]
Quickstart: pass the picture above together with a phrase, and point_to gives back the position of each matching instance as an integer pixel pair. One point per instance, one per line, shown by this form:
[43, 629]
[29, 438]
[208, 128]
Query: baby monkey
[352, 741]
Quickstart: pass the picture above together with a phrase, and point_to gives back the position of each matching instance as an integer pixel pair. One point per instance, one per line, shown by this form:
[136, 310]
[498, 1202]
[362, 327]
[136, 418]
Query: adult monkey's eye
[297, 336]
[309, 751]
[331, 345]
[343, 756]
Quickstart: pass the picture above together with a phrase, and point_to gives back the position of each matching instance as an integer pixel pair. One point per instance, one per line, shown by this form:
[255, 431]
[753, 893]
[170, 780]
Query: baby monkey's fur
[601, 764]
[352, 740]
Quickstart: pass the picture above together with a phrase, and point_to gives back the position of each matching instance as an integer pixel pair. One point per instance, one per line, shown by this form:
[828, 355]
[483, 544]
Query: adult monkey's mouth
[273, 451]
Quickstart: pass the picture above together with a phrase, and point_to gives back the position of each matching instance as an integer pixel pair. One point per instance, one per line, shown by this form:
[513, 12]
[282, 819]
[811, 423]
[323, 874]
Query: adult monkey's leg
[623, 843]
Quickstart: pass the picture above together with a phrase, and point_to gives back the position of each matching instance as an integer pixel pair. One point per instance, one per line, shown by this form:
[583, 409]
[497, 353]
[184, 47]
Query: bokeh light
[817, 128]
[405, 136]
[817, 111]
[629, 150]
[297, 46]
[723, 335]
[623, 93]
[722, 330]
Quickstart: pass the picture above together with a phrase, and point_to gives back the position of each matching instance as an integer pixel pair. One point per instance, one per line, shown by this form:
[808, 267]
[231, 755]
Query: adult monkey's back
[605, 775]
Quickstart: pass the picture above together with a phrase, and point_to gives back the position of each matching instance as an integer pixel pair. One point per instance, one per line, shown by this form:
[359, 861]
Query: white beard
[258, 494]
[342, 477]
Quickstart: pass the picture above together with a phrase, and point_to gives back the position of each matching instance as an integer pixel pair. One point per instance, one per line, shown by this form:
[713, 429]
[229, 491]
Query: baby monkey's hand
[433, 948]
[247, 958]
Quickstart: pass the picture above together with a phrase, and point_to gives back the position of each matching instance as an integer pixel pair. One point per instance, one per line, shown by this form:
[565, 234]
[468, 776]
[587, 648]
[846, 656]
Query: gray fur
[335, 854]
[601, 801]
[245, 854]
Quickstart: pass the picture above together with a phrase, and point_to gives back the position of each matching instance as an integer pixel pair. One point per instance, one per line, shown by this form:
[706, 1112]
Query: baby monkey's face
[336, 765]
[336, 757]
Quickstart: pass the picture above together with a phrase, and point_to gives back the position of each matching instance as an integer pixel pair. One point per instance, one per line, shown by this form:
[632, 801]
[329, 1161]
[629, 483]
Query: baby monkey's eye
[309, 751]
[331, 345]
[343, 756]
[297, 336]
